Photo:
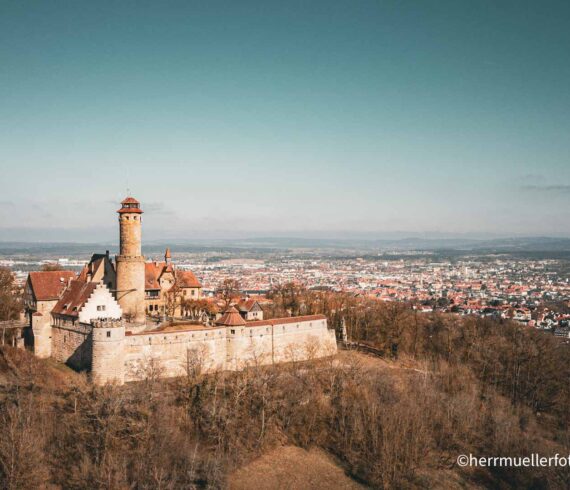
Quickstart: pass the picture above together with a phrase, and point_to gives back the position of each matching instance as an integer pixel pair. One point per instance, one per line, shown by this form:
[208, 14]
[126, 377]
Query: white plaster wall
[101, 297]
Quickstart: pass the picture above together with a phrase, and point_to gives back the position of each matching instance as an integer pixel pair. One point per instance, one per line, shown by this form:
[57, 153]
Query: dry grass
[292, 468]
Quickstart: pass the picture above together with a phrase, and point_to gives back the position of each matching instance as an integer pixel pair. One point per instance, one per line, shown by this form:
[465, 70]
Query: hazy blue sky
[290, 117]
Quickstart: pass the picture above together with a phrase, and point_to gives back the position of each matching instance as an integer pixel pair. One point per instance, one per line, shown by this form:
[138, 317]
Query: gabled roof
[246, 305]
[48, 285]
[231, 318]
[97, 260]
[153, 271]
[74, 297]
[187, 279]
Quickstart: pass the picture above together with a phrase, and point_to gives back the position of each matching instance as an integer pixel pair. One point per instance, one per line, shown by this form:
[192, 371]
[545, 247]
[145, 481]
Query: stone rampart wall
[224, 348]
[72, 344]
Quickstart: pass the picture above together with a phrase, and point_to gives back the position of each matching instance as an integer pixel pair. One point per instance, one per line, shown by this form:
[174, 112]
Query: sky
[275, 118]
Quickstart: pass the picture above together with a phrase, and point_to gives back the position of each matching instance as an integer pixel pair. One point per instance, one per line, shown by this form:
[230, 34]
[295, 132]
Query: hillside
[293, 468]
[355, 421]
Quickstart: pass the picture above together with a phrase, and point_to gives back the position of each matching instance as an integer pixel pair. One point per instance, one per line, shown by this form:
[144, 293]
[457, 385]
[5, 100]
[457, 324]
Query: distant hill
[262, 245]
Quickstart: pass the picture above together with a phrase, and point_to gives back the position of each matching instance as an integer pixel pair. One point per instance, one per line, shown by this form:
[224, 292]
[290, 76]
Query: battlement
[106, 323]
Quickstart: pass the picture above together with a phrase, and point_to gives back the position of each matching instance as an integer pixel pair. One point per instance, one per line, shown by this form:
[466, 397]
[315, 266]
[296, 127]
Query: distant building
[562, 331]
[250, 310]
[160, 278]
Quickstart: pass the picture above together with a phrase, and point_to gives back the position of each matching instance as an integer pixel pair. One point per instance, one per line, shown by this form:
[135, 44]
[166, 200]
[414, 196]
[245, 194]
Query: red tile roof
[187, 279]
[48, 285]
[246, 304]
[130, 205]
[231, 318]
[153, 271]
[129, 200]
[83, 274]
[129, 210]
[74, 297]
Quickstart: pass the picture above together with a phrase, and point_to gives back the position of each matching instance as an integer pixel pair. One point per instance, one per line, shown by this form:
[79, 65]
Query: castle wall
[114, 356]
[72, 344]
[274, 343]
[171, 353]
[303, 340]
[41, 328]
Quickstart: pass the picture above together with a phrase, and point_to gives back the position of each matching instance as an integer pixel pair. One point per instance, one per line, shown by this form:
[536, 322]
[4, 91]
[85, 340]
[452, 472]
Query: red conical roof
[130, 205]
[231, 318]
[129, 200]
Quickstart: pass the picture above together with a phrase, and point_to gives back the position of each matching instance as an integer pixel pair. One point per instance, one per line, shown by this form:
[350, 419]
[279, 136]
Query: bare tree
[22, 457]
[229, 289]
[10, 297]
[195, 361]
[51, 266]
[172, 300]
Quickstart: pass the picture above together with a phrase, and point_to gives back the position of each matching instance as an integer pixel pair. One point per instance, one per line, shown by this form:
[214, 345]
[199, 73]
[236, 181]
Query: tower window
[108, 334]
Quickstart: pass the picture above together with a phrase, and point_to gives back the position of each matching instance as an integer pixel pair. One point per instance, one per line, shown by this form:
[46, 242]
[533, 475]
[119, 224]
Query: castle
[115, 319]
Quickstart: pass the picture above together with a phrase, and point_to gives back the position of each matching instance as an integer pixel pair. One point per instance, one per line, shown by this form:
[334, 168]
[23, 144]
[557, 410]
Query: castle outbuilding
[104, 321]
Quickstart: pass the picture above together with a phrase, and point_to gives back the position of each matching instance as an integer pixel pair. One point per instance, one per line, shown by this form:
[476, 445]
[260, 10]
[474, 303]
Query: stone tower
[130, 262]
[108, 355]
